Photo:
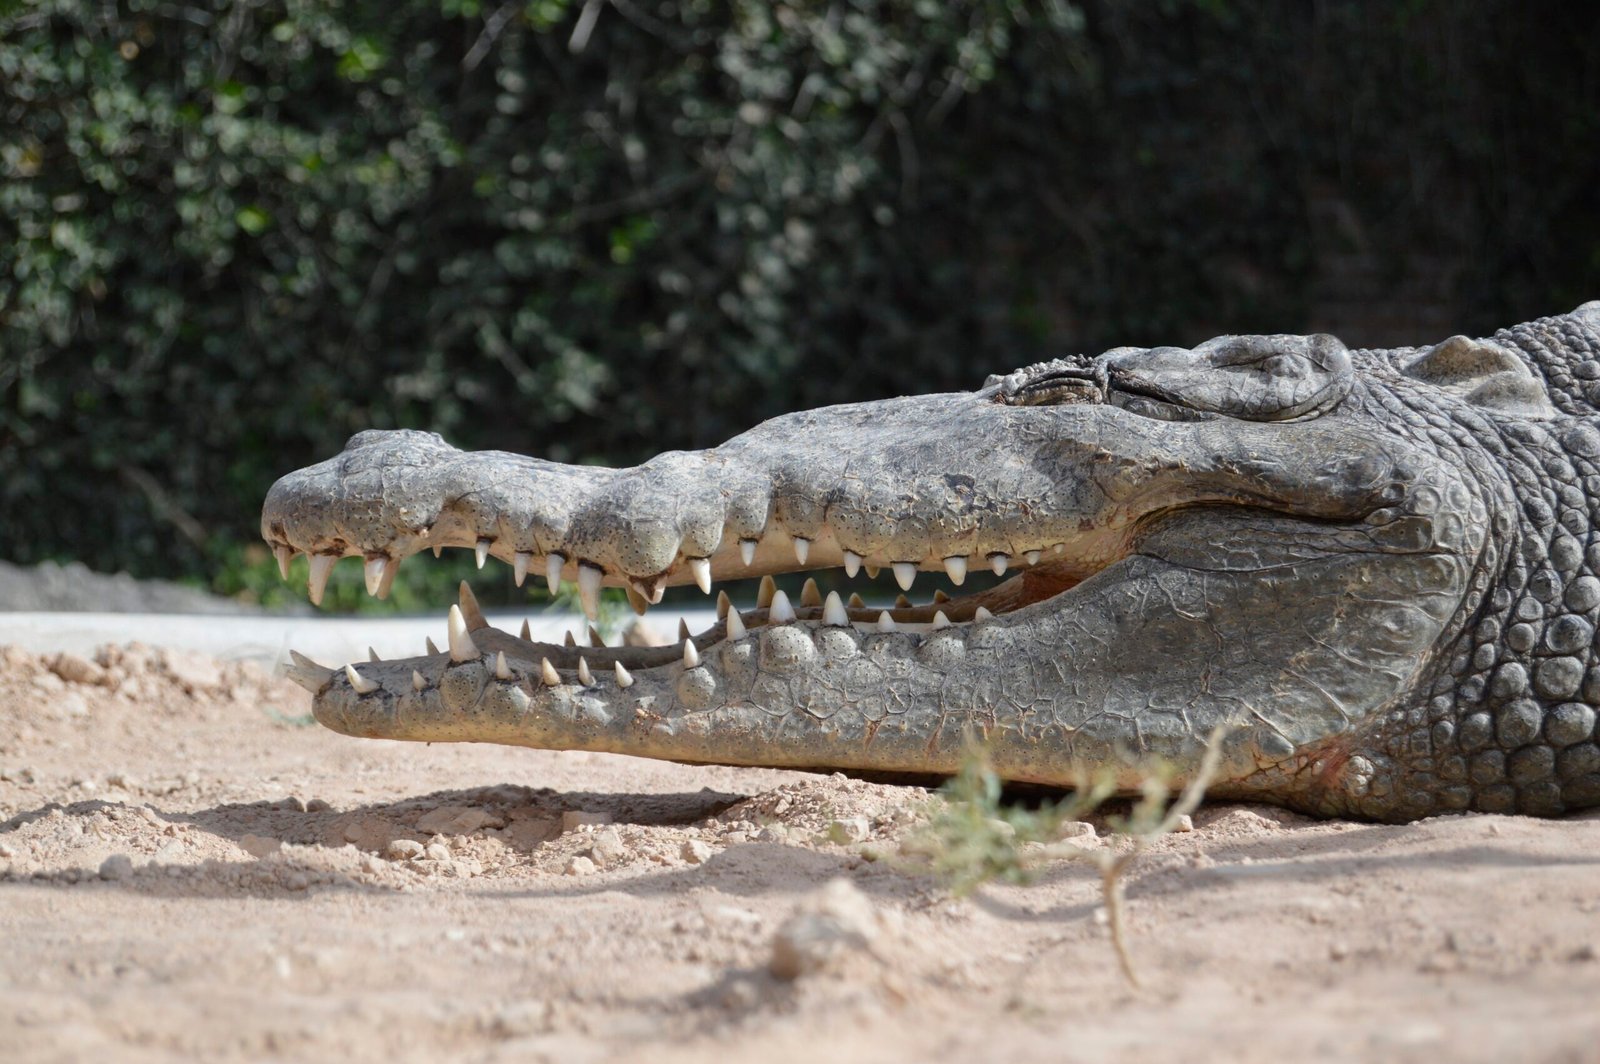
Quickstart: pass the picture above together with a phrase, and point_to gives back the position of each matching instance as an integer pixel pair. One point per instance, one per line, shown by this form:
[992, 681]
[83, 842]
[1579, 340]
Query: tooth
[362, 686]
[802, 548]
[372, 655]
[940, 620]
[724, 604]
[623, 679]
[873, 571]
[502, 671]
[691, 656]
[595, 638]
[780, 612]
[527, 631]
[567, 639]
[650, 594]
[285, 555]
[955, 567]
[552, 572]
[462, 648]
[905, 574]
[317, 582]
[810, 594]
[700, 569]
[857, 602]
[747, 551]
[998, 561]
[683, 628]
[519, 566]
[585, 677]
[482, 551]
[433, 648]
[885, 622]
[639, 603]
[736, 629]
[307, 673]
[982, 614]
[939, 596]
[417, 682]
[589, 577]
[833, 611]
[901, 602]
[1059, 548]
[548, 673]
[764, 594]
[470, 610]
[438, 549]
[519, 698]
[852, 563]
[1033, 556]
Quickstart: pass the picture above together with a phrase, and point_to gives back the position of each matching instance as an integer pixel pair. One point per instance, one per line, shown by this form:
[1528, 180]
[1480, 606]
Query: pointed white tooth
[905, 574]
[482, 551]
[285, 555]
[939, 596]
[438, 550]
[852, 563]
[462, 648]
[700, 569]
[307, 673]
[982, 614]
[747, 551]
[940, 620]
[362, 685]
[833, 611]
[471, 612]
[955, 567]
[872, 570]
[639, 603]
[502, 671]
[683, 628]
[519, 566]
[548, 673]
[1059, 548]
[780, 612]
[585, 677]
[885, 622]
[802, 548]
[372, 655]
[373, 571]
[810, 593]
[417, 682]
[567, 639]
[857, 602]
[317, 582]
[433, 648]
[595, 638]
[736, 629]
[765, 593]
[589, 577]
[1033, 556]
[998, 562]
[724, 604]
[691, 656]
[623, 678]
[552, 572]
[527, 631]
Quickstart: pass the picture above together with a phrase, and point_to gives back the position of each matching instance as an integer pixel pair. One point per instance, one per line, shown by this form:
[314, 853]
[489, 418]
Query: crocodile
[1377, 572]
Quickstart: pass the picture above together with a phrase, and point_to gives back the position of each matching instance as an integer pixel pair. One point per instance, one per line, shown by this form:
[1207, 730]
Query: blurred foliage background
[233, 232]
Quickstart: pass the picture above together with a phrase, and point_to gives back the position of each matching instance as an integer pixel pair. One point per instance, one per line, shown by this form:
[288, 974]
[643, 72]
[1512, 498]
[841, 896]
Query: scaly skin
[1378, 569]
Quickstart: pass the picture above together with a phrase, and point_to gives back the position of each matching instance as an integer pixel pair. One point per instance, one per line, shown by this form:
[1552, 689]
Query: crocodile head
[1269, 533]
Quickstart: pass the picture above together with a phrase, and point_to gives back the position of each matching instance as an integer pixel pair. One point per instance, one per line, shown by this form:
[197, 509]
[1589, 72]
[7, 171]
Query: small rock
[697, 852]
[832, 924]
[457, 820]
[1338, 951]
[195, 672]
[371, 863]
[1585, 952]
[607, 848]
[317, 805]
[1185, 824]
[1077, 829]
[403, 850]
[123, 781]
[74, 669]
[296, 880]
[573, 819]
[117, 866]
[580, 866]
[437, 851]
[850, 829]
[259, 846]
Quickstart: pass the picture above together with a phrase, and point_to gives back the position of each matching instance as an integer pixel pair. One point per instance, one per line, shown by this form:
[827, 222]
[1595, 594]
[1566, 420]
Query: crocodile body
[1378, 570]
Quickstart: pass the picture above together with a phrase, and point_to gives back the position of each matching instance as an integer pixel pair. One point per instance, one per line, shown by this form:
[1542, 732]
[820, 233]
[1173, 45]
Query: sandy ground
[189, 869]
